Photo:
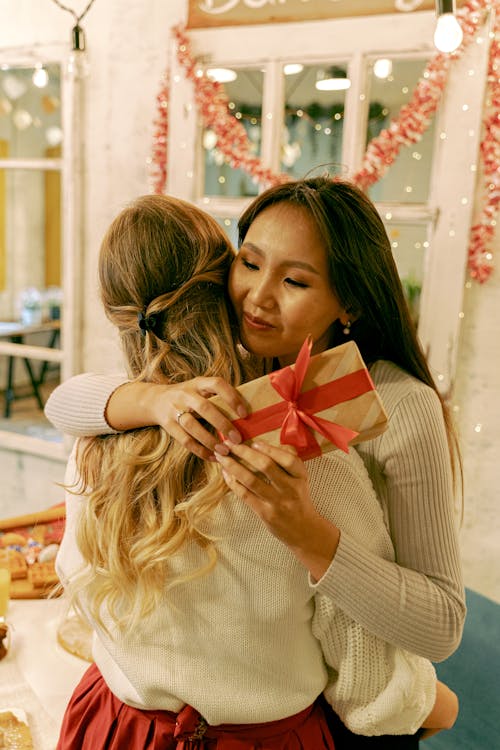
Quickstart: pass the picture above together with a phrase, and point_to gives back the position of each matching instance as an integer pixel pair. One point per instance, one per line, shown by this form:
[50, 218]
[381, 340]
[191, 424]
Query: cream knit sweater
[268, 665]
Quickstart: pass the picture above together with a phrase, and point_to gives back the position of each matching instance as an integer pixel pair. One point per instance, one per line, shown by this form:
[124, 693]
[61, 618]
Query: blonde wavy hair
[146, 496]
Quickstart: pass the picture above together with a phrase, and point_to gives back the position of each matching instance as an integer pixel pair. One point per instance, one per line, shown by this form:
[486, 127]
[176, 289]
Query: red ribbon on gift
[296, 412]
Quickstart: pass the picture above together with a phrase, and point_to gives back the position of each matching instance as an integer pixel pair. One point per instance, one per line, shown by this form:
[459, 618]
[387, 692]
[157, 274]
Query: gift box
[318, 404]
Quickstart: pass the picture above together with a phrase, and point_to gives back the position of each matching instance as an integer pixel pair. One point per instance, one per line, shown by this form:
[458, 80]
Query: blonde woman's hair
[147, 497]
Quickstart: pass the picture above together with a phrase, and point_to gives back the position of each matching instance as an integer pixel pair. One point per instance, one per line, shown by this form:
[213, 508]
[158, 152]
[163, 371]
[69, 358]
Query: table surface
[14, 328]
[38, 675]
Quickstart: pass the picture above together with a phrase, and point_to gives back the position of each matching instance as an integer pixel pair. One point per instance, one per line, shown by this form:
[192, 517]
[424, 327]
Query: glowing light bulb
[291, 69]
[40, 77]
[382, 68]
[448, 35]
[222, 75]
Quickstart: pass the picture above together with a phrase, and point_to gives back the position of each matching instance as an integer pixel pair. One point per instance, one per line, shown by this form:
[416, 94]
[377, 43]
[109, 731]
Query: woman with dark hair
[315, 259]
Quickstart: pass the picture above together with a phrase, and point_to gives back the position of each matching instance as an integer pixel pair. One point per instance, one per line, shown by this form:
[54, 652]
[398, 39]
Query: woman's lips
[257, 324]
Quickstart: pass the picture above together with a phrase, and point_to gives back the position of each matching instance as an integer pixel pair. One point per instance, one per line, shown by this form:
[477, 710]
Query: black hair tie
[146, 322]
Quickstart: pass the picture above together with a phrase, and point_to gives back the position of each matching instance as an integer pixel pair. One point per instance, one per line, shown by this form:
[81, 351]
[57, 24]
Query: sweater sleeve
[374, 687]
[78, 406]
[417, 601]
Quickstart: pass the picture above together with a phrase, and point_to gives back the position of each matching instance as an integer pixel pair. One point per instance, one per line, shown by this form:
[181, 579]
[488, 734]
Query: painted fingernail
[235, 437]
[222, 449]
[242, 411]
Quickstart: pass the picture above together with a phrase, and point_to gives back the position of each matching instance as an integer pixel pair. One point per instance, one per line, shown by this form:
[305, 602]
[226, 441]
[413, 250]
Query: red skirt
[95, 719]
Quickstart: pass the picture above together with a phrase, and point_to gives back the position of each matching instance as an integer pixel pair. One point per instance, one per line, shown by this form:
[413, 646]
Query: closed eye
[250, 266]
[293, 282]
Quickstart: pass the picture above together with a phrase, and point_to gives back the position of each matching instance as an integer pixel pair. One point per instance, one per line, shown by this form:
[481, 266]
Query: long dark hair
[362, 271]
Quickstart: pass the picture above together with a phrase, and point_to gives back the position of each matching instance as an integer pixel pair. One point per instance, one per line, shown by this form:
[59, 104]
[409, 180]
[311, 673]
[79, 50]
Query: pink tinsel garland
[480, 262]
[414, 117]
[158, 172]
[407, 128]
[212, 103]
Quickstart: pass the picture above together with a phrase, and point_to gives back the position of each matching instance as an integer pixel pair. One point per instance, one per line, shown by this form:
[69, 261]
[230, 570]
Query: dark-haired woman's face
[279, 285]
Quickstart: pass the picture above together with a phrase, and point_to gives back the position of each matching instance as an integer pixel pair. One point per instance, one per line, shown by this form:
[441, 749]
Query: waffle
[43, 574]
[14, 561]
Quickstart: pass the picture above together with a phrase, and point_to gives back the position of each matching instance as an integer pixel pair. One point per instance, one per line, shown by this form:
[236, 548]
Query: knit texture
[416, 602]
[246, 642]
[374, 687]
[77, 407]
[406, 589]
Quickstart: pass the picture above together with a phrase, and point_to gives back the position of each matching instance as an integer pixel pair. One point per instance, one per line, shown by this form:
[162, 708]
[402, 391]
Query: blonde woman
[176, 576]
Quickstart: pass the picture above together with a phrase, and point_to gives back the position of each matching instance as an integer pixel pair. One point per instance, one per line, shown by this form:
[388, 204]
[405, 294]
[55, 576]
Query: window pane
[313, 120]
[245, 103]
[407, 179]
[31, 243]
[409, 246]
[30, 111]
[230, 226]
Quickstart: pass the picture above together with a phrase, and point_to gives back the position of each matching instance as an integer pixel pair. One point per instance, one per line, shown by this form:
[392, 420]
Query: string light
[40, 77]
[222, 75]
[77, 60]
[382, 68]
[291, 69]
[448, 35]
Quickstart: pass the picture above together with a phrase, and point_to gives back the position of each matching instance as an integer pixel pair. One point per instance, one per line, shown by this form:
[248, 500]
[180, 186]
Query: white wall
[128, 47]
[477, 401]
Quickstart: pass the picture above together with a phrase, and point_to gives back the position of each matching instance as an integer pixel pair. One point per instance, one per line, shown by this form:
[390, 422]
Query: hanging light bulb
[448, 34]
[332, 79]
[77, 61]
[382, 68]
[291, 69]
[77, 64]
[40, 76]
[222, 75]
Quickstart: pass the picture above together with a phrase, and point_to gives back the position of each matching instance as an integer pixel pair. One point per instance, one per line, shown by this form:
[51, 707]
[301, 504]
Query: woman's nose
[262, 293]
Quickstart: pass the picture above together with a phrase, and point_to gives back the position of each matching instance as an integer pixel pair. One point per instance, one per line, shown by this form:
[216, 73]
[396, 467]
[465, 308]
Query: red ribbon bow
[295, 413]
[299, 421]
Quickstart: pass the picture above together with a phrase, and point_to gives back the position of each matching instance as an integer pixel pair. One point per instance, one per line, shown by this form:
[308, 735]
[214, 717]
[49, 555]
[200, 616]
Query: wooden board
[24, 589]
[214, 13]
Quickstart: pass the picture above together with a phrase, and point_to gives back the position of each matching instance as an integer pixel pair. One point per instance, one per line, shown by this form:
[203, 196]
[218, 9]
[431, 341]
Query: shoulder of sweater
[394, 385]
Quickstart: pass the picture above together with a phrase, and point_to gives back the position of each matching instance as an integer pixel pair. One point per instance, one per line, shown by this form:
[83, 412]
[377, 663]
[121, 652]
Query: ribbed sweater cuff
[78, 416]
[348, 581]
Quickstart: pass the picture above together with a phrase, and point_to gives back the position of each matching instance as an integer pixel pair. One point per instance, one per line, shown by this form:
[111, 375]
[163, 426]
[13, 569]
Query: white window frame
[70, 168]
[448, 211]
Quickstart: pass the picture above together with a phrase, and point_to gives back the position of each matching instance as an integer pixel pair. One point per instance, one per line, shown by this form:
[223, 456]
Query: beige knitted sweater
[266, 663]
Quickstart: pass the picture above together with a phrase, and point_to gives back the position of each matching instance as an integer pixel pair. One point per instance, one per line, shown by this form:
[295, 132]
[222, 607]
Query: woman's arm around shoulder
[78, 406]
[91, 404]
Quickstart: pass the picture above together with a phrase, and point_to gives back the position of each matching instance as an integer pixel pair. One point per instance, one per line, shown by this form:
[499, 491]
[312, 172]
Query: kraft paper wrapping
[334, 386]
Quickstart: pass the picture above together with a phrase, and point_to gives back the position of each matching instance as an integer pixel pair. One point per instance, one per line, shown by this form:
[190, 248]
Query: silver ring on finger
[180, 414]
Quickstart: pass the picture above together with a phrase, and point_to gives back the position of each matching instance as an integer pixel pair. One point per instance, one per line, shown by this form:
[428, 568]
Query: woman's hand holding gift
[273, 482]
